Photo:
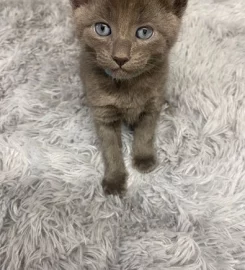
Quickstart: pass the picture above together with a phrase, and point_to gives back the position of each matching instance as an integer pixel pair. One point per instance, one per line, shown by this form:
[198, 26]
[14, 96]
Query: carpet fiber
[188, 214]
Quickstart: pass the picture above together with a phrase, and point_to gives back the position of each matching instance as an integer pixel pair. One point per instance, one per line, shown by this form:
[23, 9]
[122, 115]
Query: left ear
[77, 3]
[179, 7]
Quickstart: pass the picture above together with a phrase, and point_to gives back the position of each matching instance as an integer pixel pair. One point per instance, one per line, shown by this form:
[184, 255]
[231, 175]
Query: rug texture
[188, 214]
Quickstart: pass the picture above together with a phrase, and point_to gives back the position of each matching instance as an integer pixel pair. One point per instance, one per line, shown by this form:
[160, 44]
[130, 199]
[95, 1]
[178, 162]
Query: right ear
[179, 7]
[77, 3]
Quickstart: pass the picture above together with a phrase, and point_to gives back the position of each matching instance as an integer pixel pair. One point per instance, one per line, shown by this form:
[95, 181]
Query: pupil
[145, 32]
[102, 28]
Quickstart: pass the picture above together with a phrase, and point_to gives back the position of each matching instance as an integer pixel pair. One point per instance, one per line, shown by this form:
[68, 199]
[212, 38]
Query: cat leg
[115, 178]
[144, 156]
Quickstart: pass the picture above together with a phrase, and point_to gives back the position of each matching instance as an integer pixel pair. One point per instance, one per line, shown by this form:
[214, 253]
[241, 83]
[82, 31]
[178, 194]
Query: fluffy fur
[189, 214]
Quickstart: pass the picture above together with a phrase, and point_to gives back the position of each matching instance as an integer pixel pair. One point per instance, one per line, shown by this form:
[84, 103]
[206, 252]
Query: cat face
[126, 38]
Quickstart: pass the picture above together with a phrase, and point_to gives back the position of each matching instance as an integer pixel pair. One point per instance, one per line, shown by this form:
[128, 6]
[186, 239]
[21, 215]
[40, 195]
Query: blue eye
[144, 33]
[102, 29]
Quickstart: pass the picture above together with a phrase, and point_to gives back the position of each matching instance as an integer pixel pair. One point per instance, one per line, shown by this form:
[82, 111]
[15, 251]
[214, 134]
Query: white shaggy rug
[188, 214]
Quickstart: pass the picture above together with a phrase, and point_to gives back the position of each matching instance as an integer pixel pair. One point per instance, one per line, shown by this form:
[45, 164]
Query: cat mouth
[121, 73]
[114, 73]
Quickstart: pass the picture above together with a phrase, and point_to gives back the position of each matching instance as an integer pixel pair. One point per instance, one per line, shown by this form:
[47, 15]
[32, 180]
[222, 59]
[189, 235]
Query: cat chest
[120, 100]
[114, 108]
[109, 114]
[131, 116]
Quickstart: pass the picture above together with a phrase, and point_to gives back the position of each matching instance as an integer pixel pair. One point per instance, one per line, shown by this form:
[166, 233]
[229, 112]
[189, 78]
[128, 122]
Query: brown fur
[133, 94]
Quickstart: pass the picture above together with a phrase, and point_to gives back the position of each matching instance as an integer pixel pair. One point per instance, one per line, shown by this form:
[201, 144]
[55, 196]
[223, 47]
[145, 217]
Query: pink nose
[120, 61]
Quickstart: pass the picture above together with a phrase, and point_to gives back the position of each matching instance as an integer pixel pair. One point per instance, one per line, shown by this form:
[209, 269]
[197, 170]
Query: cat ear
[179, 7]
[78, 3]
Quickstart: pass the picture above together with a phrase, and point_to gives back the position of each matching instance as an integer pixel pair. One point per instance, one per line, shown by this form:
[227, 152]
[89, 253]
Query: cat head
[128, 37]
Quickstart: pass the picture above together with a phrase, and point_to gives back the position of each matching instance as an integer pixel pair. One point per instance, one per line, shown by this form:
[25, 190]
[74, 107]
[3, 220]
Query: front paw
[115, 184]
[145, 164]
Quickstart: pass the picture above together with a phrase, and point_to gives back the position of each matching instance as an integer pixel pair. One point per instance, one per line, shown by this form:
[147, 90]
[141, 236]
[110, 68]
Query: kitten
[124, 65]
